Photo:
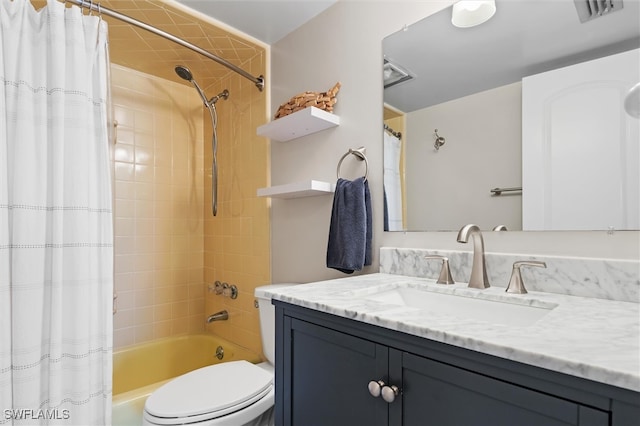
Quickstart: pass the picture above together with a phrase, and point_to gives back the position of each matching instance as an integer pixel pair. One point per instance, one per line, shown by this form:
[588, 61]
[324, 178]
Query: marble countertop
[586, 337]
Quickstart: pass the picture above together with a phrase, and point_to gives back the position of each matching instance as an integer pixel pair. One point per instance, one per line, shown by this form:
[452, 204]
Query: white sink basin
[497, 311]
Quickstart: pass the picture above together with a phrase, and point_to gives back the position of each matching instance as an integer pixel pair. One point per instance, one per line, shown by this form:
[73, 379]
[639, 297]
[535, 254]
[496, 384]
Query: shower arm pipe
[95, 6]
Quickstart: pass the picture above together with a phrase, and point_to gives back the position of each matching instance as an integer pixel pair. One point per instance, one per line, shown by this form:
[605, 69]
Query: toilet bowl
[231, 393]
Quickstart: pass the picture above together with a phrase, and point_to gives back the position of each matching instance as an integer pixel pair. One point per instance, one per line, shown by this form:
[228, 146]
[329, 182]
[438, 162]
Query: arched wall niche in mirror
[531, 99]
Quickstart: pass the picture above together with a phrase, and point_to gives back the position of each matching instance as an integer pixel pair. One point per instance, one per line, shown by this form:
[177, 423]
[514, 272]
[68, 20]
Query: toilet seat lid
[209, 389]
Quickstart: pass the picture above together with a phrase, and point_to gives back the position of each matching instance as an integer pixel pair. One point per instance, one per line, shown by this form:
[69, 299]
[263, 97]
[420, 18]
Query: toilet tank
[267, 314]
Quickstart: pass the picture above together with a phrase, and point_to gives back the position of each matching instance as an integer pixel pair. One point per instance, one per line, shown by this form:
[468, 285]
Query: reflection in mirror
[531, 99]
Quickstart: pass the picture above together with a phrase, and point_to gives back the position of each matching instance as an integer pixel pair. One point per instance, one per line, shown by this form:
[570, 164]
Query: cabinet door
[435, 393]
[328, 375]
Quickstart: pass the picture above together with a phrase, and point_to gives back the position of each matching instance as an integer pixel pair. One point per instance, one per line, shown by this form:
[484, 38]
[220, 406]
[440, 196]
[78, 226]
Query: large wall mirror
[530, 102]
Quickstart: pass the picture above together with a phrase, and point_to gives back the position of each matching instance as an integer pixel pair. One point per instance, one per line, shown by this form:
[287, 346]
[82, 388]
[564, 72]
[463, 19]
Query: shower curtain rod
[259, 81]
[393, 132]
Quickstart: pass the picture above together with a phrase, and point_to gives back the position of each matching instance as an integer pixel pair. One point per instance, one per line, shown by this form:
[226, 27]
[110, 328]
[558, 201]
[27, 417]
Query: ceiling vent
[394, 74]
[591, 9]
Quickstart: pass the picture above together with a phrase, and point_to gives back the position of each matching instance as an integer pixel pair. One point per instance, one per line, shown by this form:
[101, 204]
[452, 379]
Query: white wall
[344, 44]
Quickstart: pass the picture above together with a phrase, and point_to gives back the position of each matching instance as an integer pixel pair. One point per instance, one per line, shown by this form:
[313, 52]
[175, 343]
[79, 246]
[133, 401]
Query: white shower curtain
[392, 186]
[56, 243]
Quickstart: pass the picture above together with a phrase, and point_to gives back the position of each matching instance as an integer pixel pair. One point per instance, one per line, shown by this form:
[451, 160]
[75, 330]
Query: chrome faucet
[478, 277]
[218, 316]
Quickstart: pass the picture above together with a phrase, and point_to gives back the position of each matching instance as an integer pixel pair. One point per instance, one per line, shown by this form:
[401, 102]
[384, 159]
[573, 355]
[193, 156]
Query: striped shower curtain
[56, 243]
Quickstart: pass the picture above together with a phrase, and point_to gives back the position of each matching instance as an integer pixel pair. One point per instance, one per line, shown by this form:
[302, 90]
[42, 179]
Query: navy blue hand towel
[350, 231]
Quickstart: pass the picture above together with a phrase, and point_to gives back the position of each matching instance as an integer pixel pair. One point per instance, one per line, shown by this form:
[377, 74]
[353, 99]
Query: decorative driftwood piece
[322, 100]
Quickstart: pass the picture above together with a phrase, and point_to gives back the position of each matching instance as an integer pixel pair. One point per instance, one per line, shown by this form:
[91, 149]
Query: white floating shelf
[308, 188]
[300, 123]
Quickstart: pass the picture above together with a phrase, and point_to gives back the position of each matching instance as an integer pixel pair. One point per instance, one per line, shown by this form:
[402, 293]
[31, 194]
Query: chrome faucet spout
[479, 278]
[218, 316]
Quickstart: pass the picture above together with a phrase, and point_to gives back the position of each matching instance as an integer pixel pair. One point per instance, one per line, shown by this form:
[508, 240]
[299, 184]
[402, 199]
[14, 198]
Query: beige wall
[236, 241]
[344, 44]
[472, 161]
[158, 208]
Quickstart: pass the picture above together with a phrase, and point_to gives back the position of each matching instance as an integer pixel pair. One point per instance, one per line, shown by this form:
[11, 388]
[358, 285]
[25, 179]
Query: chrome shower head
[184, 73]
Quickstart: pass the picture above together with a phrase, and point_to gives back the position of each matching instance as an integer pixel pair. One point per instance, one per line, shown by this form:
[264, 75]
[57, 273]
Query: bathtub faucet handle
[230, 290]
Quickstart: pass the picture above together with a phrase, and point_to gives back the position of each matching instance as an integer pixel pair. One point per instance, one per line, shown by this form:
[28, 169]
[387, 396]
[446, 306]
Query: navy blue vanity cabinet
[447, 395]
[327, 372]
[324, 364]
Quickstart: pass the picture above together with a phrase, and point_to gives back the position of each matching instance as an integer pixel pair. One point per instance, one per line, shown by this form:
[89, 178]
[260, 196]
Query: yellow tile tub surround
[158, 161]
[162, 166]
[237, 241]
[168, 247]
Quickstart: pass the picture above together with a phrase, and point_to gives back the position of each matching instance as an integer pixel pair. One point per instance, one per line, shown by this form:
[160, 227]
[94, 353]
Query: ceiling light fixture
[469, 13]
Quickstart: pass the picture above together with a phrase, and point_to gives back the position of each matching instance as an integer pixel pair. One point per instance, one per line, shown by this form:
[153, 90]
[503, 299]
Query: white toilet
[231, 393]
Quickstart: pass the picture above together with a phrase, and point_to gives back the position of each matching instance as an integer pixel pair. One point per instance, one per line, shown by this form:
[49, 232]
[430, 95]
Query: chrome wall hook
[439, 140]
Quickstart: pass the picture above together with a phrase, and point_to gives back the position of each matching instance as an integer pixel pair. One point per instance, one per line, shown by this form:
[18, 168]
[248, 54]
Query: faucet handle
[445, 273]
[516, 283]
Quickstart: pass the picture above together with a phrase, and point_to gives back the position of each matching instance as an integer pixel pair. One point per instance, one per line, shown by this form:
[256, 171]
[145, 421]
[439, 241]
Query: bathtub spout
[218, 316]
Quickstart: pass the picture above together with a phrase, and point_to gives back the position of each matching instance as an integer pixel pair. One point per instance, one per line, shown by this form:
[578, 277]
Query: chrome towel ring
[359, 154]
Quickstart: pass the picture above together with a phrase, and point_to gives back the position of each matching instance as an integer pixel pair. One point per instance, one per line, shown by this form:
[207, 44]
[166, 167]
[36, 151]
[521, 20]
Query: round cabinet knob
[375, 387]
[389, 393]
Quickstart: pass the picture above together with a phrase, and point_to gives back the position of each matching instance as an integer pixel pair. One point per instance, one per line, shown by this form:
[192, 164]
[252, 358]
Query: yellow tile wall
[167, 244]
[237, 240]
[169, 247]
[158, 163]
